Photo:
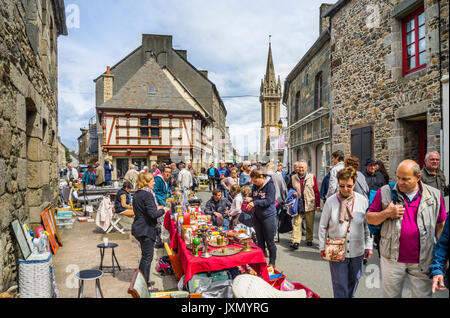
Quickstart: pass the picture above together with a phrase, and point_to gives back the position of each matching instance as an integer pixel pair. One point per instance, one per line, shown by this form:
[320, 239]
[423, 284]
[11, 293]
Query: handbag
[335, 248]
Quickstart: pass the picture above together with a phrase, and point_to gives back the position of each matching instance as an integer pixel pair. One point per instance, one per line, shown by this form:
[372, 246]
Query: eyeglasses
[346, 186]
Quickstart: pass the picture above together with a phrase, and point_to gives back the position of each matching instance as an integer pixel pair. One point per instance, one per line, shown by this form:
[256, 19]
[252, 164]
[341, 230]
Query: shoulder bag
[335, 248]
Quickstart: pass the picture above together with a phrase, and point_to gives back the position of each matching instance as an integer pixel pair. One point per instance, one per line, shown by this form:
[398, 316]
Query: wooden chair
[175, 262]
[138, 287]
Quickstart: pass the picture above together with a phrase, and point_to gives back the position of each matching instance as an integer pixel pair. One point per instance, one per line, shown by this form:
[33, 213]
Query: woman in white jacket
[341, 208]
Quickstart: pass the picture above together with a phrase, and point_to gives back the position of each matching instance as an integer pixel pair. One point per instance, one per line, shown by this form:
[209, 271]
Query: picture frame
[52, 212]
[21, 239]
[48, 226]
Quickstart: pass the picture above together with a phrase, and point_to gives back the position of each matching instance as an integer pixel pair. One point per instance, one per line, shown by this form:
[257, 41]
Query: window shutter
[361, 145]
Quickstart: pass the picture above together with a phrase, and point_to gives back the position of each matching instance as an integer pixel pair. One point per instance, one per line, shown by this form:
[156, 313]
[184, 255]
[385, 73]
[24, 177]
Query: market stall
[225, 248]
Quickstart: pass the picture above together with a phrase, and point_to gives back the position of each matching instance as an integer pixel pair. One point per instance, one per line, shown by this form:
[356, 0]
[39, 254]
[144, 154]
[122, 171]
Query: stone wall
[307, 139]
[28, 121]
[368, 85]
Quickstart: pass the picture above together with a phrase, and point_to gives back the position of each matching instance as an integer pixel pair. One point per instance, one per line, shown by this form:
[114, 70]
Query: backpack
[164, 266]
[375, 230]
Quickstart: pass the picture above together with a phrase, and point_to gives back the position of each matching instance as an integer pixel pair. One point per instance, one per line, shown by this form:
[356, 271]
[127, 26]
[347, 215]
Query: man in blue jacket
[109, 168]
[223, 173]
[213, 175]
[440, 259]
[161, 190]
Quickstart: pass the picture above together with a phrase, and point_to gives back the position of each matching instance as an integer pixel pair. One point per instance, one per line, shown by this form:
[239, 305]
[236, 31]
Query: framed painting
[21, 239]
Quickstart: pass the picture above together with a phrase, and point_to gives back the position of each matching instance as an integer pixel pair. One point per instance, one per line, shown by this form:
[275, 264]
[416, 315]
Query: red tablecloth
[192, 265]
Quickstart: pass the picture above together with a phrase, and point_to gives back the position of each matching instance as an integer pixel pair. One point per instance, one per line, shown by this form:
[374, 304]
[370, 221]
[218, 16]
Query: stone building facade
[387, 61]
[270, 97]
[83, 146]
[28, 118]
[154, 106]
[307, 99]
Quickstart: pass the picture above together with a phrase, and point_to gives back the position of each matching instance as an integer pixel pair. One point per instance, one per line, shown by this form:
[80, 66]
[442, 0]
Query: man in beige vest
[305, 185]
[99, 174]
[411, 216]
[132, 175]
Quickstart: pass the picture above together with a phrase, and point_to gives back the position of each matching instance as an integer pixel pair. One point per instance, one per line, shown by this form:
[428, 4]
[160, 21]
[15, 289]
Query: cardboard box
[184, 228]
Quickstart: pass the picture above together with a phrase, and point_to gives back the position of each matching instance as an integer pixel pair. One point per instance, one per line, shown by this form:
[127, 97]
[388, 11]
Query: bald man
[411, 216]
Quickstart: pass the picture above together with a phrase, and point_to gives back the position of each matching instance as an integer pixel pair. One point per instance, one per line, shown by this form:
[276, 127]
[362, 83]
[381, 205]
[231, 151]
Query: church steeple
[270, 70]
[270, 98]
[269, 85]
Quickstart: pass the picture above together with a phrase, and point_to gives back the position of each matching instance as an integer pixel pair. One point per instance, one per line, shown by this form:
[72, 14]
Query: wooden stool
[89, 274]
[102, 248]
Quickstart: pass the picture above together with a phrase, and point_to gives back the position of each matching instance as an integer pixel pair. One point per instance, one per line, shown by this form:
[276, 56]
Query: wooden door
[362, 145]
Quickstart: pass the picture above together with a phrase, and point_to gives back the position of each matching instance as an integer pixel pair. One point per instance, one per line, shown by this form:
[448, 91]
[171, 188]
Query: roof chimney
[108, 81]
[324, 22]
[148, 55]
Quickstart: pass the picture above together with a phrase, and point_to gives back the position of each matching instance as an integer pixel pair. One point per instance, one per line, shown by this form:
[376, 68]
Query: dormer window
[151, 91]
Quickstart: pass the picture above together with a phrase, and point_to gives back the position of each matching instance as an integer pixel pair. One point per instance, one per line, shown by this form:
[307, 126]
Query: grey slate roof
[134, 94]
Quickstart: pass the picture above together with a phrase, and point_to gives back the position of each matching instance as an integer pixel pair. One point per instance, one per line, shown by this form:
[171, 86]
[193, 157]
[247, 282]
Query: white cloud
[227, 38]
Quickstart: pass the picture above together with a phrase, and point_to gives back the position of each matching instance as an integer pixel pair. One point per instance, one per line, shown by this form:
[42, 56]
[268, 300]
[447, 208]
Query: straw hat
[250, 286]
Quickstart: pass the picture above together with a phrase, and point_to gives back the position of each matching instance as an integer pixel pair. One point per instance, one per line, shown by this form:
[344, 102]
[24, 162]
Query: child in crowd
[245, 218]
[246, 192]
[233, 213]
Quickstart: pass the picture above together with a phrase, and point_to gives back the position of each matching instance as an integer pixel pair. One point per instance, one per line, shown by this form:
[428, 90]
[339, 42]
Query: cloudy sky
[227, 38]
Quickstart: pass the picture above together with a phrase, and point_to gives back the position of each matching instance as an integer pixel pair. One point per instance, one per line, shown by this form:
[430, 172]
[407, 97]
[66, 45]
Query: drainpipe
[330, 97]
[440, 68]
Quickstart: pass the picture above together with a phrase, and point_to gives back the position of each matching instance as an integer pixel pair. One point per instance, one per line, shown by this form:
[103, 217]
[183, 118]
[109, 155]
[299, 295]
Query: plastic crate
[64, 214]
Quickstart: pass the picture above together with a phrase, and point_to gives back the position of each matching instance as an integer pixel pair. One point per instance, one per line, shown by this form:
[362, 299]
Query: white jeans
[393, 276]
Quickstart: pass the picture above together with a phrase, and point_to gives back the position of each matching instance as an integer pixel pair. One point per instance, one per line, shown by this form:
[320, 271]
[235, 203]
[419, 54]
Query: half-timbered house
[162, 113]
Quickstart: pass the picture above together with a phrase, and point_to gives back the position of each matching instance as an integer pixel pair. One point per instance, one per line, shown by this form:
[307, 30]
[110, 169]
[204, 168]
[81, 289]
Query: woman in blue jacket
[440, 259]
[265, 220]
[108, 170]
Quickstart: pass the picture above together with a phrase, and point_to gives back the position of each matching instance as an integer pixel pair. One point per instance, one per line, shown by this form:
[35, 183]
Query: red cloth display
[192, 265]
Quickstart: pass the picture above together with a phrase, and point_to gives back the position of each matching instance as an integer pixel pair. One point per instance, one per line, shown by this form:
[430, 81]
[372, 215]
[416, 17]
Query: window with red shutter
[414, 42]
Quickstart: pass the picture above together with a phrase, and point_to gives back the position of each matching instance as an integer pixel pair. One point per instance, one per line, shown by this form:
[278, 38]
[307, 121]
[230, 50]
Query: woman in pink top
[229, 181]
[155, 170]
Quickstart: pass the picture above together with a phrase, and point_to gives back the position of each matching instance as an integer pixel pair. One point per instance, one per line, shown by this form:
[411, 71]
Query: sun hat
[250, 286]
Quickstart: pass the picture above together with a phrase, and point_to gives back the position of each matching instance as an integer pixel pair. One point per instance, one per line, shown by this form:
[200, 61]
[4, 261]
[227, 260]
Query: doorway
[122, 167]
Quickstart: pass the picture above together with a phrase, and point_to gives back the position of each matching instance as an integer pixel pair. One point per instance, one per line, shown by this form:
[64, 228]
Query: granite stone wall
[28, 121]
[368, 84]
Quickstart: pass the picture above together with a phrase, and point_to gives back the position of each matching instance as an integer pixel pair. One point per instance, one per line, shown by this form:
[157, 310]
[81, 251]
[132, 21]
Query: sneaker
[295, 246]
[309, 244]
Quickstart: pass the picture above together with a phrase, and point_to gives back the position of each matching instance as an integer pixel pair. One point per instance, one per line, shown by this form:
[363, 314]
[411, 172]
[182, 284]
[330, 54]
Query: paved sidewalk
[80, 252]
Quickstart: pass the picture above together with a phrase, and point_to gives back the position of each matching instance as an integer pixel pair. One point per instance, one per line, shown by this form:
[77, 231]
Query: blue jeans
[265, 235]
[345, 276]
[212, 183]
[226, 221]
